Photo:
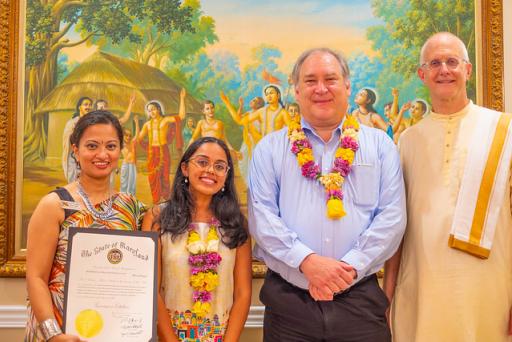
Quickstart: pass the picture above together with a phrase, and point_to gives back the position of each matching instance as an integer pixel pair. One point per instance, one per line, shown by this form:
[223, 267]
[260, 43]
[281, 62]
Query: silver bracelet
[50, 328]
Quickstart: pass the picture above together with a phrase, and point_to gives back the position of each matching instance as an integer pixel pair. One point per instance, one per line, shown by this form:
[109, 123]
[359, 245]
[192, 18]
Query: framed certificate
[111, 279]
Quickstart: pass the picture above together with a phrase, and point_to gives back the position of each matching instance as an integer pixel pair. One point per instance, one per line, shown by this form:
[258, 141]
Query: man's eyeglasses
[220, 168]
[451, 63]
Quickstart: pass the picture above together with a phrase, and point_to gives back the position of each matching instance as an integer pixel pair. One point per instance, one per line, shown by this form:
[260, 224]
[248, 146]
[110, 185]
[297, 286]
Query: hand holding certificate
[111, 285]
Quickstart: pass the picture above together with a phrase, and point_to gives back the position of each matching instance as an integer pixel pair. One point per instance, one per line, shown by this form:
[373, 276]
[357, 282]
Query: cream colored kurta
[443, 294]
[177, 293]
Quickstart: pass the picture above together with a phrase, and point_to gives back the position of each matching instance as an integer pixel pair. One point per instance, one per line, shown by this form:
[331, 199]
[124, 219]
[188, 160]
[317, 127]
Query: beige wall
[12, 291]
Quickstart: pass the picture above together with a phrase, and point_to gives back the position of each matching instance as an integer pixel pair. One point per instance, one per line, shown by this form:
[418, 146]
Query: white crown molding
[15, 316]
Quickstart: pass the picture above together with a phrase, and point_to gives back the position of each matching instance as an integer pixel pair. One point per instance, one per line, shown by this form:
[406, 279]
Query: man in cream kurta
[443, 293]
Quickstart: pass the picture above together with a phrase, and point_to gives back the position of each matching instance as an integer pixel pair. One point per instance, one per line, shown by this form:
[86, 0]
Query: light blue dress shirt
[287, 212]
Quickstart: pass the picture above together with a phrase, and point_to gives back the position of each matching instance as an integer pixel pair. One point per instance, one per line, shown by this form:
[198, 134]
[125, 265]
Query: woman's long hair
[176, 215]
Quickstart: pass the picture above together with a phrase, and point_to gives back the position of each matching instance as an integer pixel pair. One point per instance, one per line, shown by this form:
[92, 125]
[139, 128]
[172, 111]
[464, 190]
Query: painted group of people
[394, 120]
[329, 202]
[154, 136]
[160, 129]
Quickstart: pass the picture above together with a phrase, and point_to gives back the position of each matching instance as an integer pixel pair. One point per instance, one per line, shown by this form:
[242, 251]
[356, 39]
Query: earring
[78, 167]
[117, 171]
[186, 180]
[222, 189]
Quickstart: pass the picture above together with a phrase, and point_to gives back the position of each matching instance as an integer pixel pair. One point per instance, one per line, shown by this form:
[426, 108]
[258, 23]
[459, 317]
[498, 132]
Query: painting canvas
[133, 57]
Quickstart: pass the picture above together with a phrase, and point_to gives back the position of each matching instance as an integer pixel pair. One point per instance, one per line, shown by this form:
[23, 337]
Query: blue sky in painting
[341, 12]
[290, 25]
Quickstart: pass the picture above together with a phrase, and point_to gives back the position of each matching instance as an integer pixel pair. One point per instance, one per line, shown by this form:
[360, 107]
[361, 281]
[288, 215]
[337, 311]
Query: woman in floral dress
[89, 202]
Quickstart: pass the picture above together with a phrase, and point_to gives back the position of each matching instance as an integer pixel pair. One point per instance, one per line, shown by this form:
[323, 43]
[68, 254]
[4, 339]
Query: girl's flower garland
[344, 157]
[204, 261]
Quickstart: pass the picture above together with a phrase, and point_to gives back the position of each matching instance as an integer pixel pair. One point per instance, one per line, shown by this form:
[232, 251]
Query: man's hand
[326, 276]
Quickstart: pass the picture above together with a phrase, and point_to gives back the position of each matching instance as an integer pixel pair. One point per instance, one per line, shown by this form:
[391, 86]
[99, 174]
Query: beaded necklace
[100, 215]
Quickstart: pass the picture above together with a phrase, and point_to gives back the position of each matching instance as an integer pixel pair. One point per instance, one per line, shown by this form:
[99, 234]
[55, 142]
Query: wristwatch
[50, 328]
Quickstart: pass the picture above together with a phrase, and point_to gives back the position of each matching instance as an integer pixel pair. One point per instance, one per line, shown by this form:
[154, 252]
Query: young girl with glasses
[204, 249]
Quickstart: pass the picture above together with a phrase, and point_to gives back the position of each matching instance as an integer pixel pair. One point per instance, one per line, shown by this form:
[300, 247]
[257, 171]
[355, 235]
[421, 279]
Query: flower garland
[344, 157]
[204, 260]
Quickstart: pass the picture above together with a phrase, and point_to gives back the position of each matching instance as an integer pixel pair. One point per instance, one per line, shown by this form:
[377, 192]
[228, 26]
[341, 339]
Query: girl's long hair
[176, 214]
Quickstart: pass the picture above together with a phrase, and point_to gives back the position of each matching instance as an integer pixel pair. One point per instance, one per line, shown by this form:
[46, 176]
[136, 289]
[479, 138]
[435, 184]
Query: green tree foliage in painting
[205, 76]
[264, 70]
[156, 47]
[48, 22]
[407, 25]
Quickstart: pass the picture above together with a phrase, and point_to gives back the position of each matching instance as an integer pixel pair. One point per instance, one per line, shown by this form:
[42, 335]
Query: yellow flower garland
[344, 157]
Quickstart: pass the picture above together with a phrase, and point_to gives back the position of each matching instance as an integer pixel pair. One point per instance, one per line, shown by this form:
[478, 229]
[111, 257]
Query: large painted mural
[216, 67]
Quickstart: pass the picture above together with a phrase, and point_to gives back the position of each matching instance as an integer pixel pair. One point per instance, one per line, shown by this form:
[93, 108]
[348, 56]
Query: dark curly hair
[97, 117]
[176, 215]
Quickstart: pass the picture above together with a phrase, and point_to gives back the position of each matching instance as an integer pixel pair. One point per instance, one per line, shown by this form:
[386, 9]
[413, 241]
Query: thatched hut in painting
[114, 79]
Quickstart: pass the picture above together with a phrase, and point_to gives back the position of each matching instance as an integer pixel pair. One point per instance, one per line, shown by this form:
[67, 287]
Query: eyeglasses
[451, 63]
[220, 168]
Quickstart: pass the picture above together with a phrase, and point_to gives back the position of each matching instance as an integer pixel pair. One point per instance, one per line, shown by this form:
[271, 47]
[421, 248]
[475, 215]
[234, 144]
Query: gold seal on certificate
[110, 292]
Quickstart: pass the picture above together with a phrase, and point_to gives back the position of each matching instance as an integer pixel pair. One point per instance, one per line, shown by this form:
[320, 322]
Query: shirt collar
[309, 130]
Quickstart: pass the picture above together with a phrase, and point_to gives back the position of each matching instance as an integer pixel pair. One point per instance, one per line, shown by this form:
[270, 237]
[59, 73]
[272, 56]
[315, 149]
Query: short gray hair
[345, 72]
[462, 46]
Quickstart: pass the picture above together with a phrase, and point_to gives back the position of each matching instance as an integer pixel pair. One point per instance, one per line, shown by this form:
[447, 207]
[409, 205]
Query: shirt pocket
[364, 184]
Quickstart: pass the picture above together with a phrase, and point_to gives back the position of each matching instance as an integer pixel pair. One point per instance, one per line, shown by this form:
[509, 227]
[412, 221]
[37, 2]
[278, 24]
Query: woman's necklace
[100, 215]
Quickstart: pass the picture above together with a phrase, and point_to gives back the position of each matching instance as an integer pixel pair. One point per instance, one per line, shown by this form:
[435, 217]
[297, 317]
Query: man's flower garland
[204, 260]
[344, 157]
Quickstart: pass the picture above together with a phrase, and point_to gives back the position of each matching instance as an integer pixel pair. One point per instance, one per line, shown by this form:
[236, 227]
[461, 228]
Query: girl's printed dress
[177, 292]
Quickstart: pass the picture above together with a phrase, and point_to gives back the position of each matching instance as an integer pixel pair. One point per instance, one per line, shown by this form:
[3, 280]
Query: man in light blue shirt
[321, 284]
